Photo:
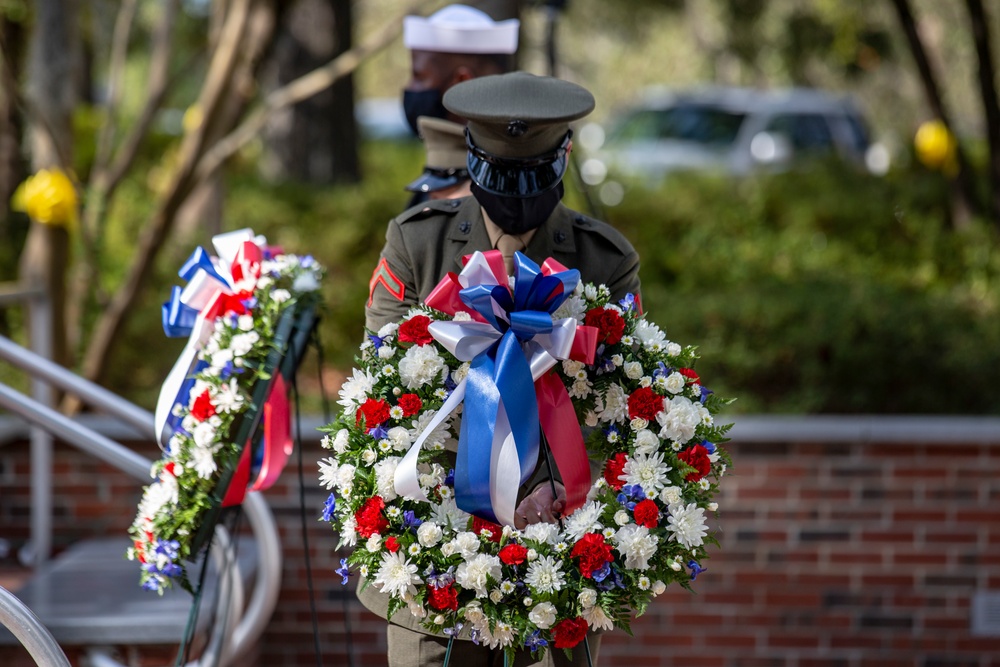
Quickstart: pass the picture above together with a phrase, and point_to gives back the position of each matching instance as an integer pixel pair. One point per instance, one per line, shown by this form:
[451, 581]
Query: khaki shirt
[426, 242]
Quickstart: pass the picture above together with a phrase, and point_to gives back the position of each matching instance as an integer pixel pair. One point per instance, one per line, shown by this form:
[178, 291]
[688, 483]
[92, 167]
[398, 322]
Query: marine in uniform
[518, 141]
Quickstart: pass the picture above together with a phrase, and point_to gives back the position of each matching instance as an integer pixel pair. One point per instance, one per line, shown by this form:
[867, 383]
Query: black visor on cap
[433, 180]
[517, 177]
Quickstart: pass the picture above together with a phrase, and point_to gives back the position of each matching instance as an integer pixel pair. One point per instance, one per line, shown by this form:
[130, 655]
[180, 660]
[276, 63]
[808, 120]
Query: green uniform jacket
[424, 243]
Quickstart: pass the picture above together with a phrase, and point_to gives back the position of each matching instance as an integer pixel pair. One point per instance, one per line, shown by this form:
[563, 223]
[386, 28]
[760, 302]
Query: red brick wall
[844, 554]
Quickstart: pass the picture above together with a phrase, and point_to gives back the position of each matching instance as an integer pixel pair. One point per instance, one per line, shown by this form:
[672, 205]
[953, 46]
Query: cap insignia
[516, 128]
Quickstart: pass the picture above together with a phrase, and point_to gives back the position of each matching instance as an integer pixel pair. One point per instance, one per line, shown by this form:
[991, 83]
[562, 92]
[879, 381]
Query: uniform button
[560, 237]
[581, 219]
[465, 226]
[454, 203]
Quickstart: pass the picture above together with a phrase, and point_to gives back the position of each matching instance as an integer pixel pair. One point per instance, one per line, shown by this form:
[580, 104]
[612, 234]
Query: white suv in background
[731, 130]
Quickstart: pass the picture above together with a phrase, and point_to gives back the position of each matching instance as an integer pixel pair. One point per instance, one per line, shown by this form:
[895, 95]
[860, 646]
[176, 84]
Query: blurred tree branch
[980, 26]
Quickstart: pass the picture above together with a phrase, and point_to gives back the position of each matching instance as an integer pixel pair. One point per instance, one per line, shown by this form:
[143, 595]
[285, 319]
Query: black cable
[305, 532]
[328, 417]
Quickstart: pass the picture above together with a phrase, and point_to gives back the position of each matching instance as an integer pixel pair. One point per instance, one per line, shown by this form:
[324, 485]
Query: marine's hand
[540, 506]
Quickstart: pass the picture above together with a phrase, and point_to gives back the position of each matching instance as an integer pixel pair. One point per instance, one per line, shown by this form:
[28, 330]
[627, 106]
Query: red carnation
[414, 330]
[646, 513]
[410, 404]
[442, 598]
[374, 410]
[613, 469]
[570, 632]
[644, 403]
[689, 374]
[170, 467]
[479, 525]
[203, 408]
[392, 544]
[513, 554]
[593, 553]
[369, 517]
[697, 458]
[610, 325]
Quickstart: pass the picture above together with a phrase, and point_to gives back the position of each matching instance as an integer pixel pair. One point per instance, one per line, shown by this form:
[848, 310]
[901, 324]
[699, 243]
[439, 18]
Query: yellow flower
[192, 118]
[935, 145]
[48, 197]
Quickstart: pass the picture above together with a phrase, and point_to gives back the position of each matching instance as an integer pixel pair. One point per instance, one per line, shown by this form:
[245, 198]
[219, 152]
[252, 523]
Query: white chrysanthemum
[467, 543]
[461, 316]
[581, 389]
[245, 322]
[613, 405]
[386, 351]
[385, 477]
[448, 514]
[242, 343]
[400, 438]
[574, 307]
[543, 615]
[648, 471]
[687, 523]
[397, 575]
[280, 295]
[220, 358]
[500, 636]
[229, 398]
[438, 436]
[388, 330]
[649, 334]
[374, 543]
[672, 348]
[328, 473]
[622, 517]
[204, 434]
[459, 373]
[305, 282]
[674, 383]
[587, 597]
[419, 366]
[617, 359]
[597, 619]
[584, 520]
[670, 495]
[633, 370]
[658, 588]
[356, 389]
[646, 442]
[590, 292]
[429, 533]
[341, 441]
[349, 531]
[542, 532]
[345, 475]
[475, 574]
[432, 476]
[680, 417]
[158, 495]
[368, 457]
[636, 544]
[545, 575]
[571, 368]
[203, 461]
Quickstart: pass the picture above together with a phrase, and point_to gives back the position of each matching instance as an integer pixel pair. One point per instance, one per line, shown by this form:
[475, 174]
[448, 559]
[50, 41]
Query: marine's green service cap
[518, 129]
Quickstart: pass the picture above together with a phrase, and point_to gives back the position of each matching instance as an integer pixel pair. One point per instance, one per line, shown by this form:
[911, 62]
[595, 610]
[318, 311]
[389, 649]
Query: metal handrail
[231, 638]
[34, 636]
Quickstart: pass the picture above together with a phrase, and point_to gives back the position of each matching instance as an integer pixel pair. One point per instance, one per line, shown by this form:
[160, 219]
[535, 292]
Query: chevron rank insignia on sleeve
[383, 275]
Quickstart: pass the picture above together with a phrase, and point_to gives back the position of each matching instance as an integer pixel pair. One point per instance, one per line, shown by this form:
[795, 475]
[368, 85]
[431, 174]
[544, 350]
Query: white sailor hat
[460, 29]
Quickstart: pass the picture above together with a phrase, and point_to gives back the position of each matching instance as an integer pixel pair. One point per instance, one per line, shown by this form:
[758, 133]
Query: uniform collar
[555, 238]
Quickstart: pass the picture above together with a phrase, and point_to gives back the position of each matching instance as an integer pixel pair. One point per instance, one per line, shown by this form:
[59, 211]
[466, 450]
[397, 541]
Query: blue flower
[450, 479]
[307, 261]
[624, 500]
[705, 391]
[378, 432]
[710, 446]
[611, 433]
[695, 569]
[474, 636]
[151, 584]
[249, 303]
[628, 303]
[662, 370]
[343, 571]
[411, 521]
[601, 574]
[228, 370]
[451, 632]
[449, 384]
[534, 641]
[167, 548]
[329, 507]
[441, 580]
[376, 340]
[614, 580]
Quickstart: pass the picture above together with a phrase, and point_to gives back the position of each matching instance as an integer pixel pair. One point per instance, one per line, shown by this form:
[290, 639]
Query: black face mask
[422, 103]
[516, 215]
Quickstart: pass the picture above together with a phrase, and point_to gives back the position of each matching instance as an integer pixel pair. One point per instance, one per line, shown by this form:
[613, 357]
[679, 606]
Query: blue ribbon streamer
[500, 378]
[178, 317]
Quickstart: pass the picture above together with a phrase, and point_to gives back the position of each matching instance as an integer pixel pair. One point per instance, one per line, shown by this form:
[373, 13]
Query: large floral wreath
[245, 312]
[642, 524]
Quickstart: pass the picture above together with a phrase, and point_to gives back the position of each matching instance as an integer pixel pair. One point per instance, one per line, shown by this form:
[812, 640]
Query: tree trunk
[12, 37]
[961, 186]
[991, 107]
[315, 140]
[50, 93]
